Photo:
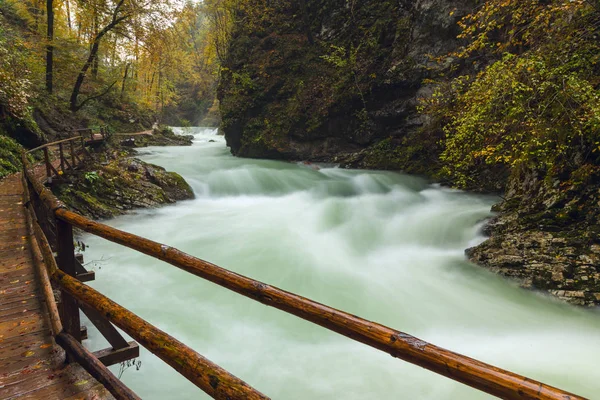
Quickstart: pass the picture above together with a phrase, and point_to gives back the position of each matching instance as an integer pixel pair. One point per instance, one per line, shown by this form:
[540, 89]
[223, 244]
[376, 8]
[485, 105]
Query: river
[385, 246]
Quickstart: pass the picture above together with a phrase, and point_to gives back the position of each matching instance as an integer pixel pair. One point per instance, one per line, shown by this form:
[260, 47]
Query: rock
[163, 136]
[122, 185]
[543, 246]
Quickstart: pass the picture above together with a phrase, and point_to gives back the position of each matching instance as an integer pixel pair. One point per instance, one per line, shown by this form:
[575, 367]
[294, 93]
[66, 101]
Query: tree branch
[84, 102]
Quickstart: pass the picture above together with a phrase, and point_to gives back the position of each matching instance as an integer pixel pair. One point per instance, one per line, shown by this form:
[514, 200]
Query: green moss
[10, 156]
[120, 185]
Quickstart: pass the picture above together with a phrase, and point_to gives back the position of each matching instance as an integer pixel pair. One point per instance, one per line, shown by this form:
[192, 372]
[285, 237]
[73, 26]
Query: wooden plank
[94, 393]
[28, 354]
[95, 367]
[24, 343]
[29, 304]
[65, 383]
[111, 356]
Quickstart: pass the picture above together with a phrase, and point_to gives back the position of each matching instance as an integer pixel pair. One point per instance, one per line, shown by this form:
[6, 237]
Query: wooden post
[83, 149]
[48, 164]
[95, 368]
[66, 263]
[72, 147]
[62, 157]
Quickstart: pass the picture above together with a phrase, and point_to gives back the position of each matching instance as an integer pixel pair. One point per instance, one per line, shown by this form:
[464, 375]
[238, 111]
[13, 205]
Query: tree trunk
[95, 62]
[50, 47]
[306, 21]
[149, 93]
[116, 20]
[124, 79]
[68, 10]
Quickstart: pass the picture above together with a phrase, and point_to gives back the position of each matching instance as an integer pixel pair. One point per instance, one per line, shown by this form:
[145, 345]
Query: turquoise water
[385, 246]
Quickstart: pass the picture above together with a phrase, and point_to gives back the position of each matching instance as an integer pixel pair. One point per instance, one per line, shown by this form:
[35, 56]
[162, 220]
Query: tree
[118, 16]
[50, 46]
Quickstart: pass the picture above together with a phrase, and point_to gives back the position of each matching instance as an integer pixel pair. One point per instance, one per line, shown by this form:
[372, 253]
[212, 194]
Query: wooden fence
[46, 210]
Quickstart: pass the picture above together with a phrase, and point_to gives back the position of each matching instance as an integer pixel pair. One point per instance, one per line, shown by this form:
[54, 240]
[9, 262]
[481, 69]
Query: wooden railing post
[72, 148]
[48, 164]
[66, 262]
[62, 157]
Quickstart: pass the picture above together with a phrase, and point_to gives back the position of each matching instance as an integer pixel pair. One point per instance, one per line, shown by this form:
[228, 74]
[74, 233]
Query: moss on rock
[123, 184]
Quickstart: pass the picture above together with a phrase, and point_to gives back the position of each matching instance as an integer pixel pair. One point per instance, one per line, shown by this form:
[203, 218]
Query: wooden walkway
[31, 365]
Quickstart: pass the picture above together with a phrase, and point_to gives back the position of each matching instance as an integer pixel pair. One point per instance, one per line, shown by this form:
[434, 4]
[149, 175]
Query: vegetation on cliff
[529, 106]
[532, 99]
[500, 96]
[324, 80]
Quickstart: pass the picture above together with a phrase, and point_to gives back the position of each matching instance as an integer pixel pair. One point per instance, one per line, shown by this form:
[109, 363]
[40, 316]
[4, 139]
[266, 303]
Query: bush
[536, 103]
[10, 156]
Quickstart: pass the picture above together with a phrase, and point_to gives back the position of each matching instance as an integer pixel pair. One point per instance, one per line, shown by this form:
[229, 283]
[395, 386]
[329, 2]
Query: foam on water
[382, 245]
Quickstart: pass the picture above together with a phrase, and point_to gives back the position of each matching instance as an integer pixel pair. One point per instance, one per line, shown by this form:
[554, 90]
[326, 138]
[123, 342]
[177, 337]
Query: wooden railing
[70, 153]
[92, 137]
[209, 377]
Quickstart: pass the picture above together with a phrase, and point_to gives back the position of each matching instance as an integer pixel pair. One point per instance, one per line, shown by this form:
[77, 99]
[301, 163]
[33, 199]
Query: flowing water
[385, 246]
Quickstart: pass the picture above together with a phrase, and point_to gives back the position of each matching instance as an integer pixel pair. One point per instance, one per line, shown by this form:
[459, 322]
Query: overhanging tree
[118, 16]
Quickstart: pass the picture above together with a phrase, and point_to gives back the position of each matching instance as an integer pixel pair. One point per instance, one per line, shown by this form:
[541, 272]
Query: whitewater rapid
[385, 246]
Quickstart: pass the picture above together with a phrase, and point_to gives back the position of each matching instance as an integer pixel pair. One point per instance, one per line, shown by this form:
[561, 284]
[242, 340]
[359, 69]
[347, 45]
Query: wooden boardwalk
[31, 365]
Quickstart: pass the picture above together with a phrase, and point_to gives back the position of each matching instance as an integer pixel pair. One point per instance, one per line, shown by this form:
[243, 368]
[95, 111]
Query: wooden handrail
[209, 377]
[95, 368]
[54, 144]
[479, 375]
[482, 376]
[42, 253]
[39, 244]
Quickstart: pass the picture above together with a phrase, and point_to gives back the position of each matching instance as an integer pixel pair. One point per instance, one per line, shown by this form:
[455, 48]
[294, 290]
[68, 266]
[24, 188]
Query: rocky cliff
[547, 235]
[337, 81]
[340, 81]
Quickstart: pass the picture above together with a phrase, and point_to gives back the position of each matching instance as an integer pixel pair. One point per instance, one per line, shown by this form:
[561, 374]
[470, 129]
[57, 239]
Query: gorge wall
[340, 81]
[337, 81]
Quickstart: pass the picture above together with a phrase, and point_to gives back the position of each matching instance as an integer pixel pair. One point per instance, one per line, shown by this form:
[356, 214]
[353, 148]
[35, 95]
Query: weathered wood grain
[31, 364]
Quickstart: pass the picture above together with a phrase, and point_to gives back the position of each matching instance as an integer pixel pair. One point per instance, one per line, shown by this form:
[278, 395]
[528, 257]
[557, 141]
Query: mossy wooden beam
[95, 367]
[209, 377]
[479, 375]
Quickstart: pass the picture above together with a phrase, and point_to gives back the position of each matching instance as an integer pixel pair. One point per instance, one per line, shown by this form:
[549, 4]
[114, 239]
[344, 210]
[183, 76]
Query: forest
[498, 96]
[266, 179]
[68, 64]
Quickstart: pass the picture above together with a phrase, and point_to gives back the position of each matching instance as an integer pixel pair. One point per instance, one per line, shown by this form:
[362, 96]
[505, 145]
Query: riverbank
[382, 245]
[113, 182]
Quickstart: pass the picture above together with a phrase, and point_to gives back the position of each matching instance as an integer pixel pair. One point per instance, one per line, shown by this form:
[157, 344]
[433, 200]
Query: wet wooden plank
[31, 364]
[60, 384]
